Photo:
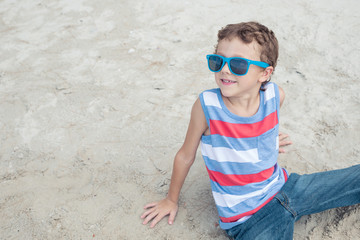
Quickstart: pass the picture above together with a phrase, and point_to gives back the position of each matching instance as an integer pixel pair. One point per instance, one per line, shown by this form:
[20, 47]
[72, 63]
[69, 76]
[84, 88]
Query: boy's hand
[283, 142]
[157, 210]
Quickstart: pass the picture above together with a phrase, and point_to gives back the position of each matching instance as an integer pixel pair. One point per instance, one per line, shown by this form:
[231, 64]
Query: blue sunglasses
[238, 66]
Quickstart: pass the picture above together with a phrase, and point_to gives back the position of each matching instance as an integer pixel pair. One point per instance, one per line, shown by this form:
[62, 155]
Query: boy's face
[237, 86]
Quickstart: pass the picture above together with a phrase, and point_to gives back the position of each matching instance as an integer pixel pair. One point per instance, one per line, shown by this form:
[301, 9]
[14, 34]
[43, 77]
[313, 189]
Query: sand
[95, 98]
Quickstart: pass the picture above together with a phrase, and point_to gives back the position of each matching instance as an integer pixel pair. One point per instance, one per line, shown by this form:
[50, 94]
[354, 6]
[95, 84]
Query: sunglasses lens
[215, 63]
[239, 66]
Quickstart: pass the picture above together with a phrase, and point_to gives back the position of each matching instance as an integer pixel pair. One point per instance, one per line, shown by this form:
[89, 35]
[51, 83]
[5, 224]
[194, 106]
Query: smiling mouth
[227, 82]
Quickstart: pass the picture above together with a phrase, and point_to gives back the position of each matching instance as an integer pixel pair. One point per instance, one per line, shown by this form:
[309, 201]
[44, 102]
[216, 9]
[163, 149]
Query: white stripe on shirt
[222, 154]
[227, 200]
[211, 99]
[270, 92]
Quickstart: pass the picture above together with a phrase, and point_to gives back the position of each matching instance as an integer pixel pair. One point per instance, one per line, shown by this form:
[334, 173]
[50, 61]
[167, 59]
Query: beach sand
[95, 99]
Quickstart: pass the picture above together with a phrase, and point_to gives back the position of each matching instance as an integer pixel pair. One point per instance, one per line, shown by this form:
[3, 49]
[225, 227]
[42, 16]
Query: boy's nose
[226, 69]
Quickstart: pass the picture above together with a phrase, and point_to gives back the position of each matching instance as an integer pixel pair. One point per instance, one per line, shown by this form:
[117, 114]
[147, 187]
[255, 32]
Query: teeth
[228, 81]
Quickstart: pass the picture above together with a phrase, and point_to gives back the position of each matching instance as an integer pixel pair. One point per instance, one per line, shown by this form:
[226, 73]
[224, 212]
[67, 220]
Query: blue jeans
[301, 195]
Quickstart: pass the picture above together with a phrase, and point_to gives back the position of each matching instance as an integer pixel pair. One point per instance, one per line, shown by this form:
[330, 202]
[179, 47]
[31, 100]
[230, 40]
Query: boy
[238, 128]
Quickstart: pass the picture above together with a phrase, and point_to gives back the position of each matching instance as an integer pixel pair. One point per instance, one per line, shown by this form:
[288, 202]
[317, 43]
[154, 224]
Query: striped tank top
[241, 154]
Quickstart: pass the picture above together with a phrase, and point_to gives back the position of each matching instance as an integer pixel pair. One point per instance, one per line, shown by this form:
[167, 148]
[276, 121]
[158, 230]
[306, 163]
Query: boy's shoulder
[271, 90]
[271, 93]
[269, 85]
[210, 97]
[212, 90]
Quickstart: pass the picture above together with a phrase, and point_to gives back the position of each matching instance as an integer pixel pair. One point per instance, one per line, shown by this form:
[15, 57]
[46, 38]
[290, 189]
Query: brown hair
[250, 31]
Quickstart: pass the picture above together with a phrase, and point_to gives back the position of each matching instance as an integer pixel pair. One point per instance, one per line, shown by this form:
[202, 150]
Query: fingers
[282, 141]
[145, 214]
[150, 205]
[152, 215]
[172, 217]
[281, 150]
[156, 219]
[148, 215]
[158, 210]
[282, 136]
[285, 143]
[158, 216]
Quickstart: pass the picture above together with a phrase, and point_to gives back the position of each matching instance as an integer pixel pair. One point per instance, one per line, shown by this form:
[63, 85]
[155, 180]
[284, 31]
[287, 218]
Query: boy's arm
[282, 95]
[182, 163]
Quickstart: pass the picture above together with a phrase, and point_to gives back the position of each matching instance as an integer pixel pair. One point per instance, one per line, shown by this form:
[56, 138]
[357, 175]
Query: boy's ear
[266, 74]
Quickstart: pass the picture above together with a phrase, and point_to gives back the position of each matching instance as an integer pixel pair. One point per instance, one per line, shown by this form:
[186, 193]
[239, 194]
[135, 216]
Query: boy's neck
[243, 106]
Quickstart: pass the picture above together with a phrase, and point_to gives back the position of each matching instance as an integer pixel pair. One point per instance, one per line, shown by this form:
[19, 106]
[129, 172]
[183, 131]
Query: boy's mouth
[227, 82]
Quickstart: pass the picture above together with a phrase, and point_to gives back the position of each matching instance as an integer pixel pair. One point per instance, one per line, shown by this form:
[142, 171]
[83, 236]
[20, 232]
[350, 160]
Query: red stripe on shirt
[239, 180]
[235, 130]
[285, 175]
[237, 217]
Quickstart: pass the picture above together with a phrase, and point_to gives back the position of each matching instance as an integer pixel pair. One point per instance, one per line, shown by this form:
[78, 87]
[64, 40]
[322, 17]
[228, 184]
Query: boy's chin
[227, 92]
